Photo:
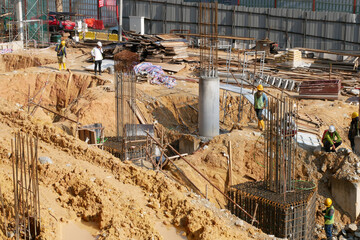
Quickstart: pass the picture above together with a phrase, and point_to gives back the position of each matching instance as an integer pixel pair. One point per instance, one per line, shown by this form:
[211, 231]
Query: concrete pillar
[20, 20]
[120, 27]
[209, 106]
[347, 194]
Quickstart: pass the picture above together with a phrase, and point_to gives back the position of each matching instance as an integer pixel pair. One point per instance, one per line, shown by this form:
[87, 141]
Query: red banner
[101, 3]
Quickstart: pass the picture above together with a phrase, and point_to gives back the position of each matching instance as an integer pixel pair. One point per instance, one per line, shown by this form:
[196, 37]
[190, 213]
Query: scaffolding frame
[256, 54]
[35, 22]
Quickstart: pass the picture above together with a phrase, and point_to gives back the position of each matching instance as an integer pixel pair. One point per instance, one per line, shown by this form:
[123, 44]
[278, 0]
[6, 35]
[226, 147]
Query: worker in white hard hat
[354, 129]
[98, 57]
[331, 139]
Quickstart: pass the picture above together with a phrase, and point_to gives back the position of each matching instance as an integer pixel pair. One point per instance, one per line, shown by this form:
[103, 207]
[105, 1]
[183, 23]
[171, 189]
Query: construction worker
[354, 129]
[329, 218]
[260, 102]
[61, 53]
[98, 57]
[331, 139]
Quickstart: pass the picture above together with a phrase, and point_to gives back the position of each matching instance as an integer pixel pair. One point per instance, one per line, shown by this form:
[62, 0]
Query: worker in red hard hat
[329, 218]
[331, 139]
[260, 102]
[354, 129]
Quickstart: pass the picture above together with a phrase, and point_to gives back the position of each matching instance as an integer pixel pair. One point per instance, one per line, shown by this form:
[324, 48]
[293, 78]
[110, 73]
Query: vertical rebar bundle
[208, 29]
[125, 100]
[26, 186]
[280, 145]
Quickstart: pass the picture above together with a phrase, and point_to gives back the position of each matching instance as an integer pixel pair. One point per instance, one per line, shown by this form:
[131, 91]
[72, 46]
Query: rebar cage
[280, 145]
[208, 27]
[292, 217]
[23, 216]
[131, 137]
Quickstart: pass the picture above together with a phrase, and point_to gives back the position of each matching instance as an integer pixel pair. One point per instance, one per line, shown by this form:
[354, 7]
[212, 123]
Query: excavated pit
[11, 62]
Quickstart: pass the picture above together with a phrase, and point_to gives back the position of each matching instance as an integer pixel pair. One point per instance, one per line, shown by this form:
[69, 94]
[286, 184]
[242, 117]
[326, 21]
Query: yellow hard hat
[354, 115]
[63, 42]
[260, 87]
[328, 202]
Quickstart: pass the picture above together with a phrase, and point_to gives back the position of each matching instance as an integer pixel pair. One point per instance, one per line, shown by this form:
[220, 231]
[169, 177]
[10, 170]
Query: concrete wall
[347, 195]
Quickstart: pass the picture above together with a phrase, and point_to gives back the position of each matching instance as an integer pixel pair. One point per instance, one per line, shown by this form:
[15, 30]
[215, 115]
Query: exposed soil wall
[11, 62]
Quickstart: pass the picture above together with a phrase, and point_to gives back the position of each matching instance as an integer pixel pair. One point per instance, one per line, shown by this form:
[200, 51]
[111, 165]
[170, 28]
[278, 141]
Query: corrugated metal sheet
[286, 24]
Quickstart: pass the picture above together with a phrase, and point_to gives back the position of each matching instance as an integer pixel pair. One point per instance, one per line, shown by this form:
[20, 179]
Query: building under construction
[163, 144]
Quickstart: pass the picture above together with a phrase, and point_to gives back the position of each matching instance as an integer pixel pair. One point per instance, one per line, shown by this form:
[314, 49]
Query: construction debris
[157, 48]
[156, 73]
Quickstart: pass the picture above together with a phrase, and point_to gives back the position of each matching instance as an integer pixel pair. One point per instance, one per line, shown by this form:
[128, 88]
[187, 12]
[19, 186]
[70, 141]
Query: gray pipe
[209, 106]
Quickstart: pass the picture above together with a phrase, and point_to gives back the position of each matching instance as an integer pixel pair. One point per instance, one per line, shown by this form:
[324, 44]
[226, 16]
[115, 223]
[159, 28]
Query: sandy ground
[85, 183]
[120, 199]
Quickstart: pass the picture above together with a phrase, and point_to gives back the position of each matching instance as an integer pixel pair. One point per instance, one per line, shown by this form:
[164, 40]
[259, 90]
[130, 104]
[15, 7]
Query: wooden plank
[329, 52]
[219, 36]
[171, 67]
[173, 44]
[168, 37]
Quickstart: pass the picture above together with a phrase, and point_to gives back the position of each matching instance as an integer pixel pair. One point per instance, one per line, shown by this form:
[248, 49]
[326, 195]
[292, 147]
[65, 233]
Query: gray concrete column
[209, 106]
[19, 18]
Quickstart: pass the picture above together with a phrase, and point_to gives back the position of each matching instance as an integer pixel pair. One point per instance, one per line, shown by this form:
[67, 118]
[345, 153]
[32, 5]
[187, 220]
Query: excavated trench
[56, 91]
[11, 62]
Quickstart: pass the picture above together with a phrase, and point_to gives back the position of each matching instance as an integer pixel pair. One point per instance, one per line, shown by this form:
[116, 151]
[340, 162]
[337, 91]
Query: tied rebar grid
[280, 145]
[24, 158]
[132, 145]
[125, 100]
[293, 218]
[208, 29]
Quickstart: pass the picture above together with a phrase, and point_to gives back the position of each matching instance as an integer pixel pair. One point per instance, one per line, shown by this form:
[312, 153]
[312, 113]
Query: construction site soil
[119, 199]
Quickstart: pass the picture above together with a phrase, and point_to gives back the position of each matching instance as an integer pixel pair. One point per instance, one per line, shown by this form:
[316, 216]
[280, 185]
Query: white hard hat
[99, 44]
[331, 129]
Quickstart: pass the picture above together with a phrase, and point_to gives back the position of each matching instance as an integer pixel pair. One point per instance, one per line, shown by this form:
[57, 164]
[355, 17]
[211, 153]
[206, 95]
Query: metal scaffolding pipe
[209, 106]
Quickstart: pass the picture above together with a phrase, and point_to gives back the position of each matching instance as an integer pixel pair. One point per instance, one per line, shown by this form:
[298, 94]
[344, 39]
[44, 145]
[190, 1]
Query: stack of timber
[158, 48]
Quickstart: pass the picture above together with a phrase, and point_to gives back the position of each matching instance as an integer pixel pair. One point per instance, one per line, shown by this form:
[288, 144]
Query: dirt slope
[123, 200]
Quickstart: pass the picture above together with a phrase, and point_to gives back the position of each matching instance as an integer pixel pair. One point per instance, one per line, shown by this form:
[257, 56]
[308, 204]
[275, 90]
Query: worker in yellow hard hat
[61, 53]
[260, 102]
[329, 218]
[354, 129]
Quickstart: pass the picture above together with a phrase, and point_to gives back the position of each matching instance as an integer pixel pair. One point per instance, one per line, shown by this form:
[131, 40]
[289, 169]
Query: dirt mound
[123, 200]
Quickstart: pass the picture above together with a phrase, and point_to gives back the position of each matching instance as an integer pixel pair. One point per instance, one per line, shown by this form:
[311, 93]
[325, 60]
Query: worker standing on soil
[260, 102]
[331, 139]
[61, 53]
[98, 57]
[354, 129]
[329, 218]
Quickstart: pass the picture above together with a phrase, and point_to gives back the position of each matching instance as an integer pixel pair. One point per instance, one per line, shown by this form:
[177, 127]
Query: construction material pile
[292, 58]
[125, 60]
[157, 75]
[158, 48]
